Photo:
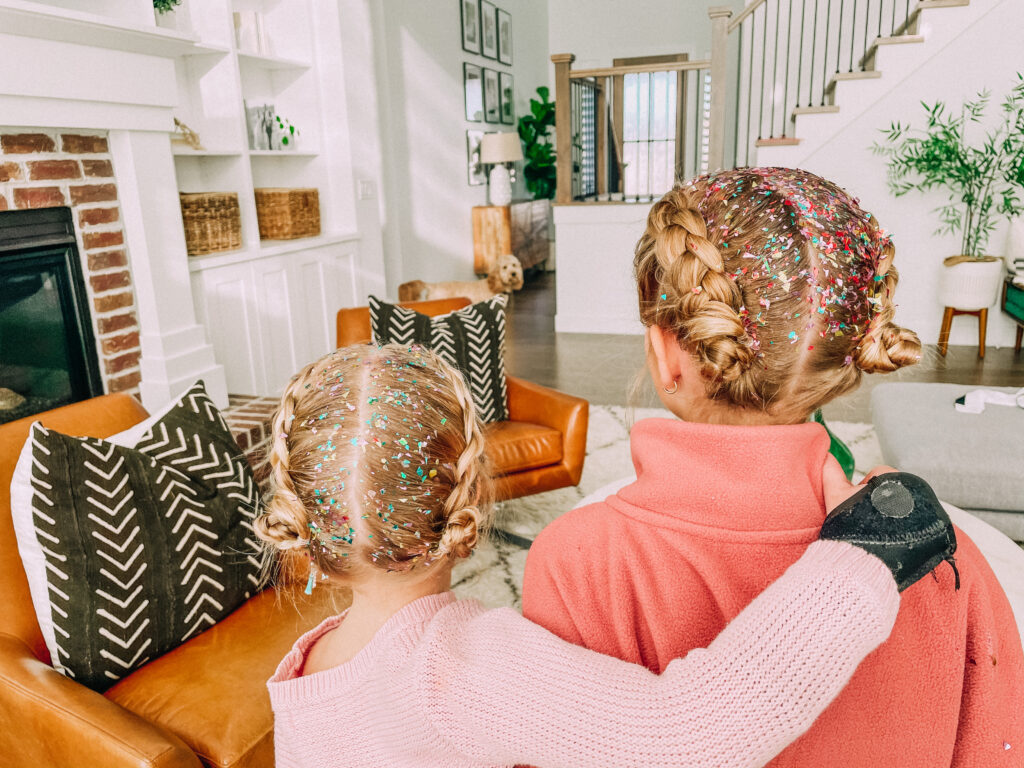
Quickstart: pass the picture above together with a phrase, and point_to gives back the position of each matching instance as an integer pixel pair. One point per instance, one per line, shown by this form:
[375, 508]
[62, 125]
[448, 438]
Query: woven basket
[285, 214]
[212, 222]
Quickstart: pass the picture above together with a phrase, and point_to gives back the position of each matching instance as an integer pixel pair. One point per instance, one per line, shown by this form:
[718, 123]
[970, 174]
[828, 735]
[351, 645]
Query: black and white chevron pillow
[130, 550]
[472, 339]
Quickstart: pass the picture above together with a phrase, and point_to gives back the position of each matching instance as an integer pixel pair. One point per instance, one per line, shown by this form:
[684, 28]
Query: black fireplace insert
[47, 348]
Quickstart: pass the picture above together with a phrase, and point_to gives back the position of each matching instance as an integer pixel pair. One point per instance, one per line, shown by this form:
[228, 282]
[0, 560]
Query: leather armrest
[548, 407]
[47, 719]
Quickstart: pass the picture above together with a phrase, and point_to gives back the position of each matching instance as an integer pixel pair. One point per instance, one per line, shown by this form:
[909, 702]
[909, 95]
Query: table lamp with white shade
[497, 149]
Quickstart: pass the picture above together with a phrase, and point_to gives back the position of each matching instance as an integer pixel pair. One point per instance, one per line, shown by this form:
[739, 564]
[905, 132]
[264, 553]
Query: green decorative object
[539, 169]
[837, 448]
[983, 178]
[286, 130]
[163, 6]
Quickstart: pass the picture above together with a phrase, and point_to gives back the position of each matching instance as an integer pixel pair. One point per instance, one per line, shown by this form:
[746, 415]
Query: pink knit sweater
[446, 683]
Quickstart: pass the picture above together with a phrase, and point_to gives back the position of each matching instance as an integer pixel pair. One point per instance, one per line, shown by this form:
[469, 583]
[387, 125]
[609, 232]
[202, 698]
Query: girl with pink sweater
[380, 485]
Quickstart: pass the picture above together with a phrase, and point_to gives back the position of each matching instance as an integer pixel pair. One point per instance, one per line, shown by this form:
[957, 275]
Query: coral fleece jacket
[719, 512]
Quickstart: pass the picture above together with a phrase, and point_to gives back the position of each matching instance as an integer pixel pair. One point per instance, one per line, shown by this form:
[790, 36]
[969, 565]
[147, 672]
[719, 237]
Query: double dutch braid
[694, 296]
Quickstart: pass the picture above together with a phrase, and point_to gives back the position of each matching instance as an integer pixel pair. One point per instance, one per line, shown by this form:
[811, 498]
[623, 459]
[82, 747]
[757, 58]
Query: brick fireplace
[45, 168]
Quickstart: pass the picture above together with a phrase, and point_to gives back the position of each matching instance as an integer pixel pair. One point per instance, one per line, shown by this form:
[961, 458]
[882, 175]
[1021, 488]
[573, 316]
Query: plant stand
[947, 323]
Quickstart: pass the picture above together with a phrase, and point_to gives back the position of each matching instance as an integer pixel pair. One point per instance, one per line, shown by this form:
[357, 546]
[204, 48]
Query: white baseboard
[608, 324]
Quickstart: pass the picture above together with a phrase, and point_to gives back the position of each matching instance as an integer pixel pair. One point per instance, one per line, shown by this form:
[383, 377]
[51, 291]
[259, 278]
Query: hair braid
[697, 299]
[886, 346]
[461, 508]
[284, 522]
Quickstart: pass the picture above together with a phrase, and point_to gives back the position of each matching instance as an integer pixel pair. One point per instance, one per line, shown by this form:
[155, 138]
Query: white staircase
[932, 26]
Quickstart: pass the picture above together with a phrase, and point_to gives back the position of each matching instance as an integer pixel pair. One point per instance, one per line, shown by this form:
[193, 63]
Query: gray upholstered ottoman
[975, 461]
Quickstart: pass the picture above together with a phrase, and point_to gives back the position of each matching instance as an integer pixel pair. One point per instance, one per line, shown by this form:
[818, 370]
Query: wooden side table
[520, 229]
[947, 324]
[492, 235]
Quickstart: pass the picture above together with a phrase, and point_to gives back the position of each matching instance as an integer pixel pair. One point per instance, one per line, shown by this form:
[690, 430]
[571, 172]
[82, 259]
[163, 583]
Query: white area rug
[494, 574]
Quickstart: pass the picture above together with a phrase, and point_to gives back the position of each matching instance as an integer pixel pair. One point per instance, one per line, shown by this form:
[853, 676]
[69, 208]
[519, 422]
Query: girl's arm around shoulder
[500, 689]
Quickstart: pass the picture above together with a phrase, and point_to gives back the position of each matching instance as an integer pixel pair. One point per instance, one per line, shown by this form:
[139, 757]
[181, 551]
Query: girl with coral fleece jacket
[378, 484]
[766, 292]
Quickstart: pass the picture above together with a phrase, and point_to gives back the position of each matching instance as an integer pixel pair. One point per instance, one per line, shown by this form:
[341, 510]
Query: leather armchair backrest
[354, 323]
[98, 417]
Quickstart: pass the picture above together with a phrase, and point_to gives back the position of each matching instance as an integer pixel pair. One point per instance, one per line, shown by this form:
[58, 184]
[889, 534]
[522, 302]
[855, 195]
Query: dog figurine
[506, 275]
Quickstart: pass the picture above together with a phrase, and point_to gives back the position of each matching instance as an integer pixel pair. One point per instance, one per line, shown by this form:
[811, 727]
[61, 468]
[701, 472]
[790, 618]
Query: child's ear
[667, 355]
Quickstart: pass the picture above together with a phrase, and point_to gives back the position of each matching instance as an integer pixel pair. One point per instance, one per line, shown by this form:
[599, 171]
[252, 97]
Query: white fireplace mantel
[70, 70]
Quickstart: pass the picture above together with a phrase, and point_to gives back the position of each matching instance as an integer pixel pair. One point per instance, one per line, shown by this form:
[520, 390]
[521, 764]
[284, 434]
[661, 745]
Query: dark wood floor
[601, 368]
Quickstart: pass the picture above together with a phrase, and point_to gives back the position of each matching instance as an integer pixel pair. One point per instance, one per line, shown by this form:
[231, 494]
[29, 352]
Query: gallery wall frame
[472, 83]
[492, 96]
[504, 22]
[469, 11]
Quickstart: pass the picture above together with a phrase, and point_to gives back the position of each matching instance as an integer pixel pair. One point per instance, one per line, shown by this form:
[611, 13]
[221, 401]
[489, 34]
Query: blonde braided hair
[283, 524]
[461, 508]
[778, 284]
[684, 288]
[376, 460]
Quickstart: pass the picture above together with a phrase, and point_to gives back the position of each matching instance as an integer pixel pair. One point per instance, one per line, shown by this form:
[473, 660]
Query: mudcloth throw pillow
[131, 551]
[472, 339]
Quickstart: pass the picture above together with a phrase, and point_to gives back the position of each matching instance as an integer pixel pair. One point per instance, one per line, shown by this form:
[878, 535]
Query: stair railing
[788, 55]
[592, 148]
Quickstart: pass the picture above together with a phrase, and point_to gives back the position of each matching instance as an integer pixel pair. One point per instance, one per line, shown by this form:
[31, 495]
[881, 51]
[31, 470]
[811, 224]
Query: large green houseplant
[983, 175]
[539, 171]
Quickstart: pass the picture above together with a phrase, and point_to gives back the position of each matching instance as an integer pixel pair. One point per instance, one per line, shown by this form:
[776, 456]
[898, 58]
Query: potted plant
[171, 14]
[983, 177]
[539, 171]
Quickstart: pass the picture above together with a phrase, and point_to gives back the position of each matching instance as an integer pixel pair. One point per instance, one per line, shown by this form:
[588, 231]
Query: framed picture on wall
[472, 81]
[504, 37]
[492, 101]
[476, 173]
[470, 25]
[508, 105]
[488, 30]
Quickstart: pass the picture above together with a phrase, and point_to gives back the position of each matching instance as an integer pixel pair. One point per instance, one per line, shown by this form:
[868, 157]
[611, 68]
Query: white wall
[427, 199]
[597, 31]
[986, 54]
[594, 280]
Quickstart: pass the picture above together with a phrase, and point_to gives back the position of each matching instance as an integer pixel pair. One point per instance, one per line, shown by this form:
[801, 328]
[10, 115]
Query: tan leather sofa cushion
[211, 692]
[515, 446]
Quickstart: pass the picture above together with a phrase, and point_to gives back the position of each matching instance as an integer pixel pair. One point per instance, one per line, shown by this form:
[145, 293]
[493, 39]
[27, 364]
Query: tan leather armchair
[203, 703]
[542, 445]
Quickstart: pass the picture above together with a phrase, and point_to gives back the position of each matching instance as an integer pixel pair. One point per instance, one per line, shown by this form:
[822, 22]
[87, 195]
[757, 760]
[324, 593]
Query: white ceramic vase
[971, 285]
[500, 185]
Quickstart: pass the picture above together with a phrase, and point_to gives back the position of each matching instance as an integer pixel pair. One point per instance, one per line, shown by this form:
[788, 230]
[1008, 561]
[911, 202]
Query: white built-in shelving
[269, 306]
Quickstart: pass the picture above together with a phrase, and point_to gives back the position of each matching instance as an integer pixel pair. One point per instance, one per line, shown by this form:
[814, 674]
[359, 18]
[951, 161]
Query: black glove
[897, 518]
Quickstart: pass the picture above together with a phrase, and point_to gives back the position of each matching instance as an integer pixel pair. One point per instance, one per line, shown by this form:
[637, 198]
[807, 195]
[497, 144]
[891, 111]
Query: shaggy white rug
[494, 574]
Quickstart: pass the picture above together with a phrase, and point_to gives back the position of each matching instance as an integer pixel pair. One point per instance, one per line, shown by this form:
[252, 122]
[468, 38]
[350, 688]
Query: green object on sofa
[838, 448]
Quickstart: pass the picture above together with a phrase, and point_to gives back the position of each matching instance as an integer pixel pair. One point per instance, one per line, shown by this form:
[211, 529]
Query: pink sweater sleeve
[500, 689]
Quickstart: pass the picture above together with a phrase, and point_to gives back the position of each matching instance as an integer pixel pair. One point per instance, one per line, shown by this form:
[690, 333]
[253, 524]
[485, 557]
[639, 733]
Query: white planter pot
[971, 285]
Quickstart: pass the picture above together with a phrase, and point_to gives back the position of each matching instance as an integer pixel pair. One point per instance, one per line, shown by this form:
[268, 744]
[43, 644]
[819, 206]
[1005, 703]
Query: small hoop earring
[675, 386]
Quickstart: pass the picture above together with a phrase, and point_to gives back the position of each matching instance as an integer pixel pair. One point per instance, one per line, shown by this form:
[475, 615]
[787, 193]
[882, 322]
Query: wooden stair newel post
[719, 16]
[563, 126]
[601, 142]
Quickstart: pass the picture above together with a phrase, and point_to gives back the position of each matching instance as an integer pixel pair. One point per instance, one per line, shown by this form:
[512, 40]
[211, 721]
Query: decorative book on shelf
[286, 214]
[212, 220]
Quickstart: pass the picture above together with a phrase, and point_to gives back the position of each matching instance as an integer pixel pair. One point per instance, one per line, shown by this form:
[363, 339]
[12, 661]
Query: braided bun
[462, 529]
[886, 347]
[460, 534]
